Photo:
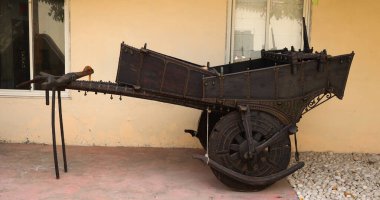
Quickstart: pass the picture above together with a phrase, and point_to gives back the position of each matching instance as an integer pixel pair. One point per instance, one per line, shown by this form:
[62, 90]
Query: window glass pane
[49, 38]
[265, 24]
[249, 29]
[285, 24]
[14, 43]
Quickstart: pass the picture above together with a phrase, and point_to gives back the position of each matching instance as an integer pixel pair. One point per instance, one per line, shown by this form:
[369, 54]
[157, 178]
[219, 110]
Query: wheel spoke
[235, 156]
[223, 152]
[239, 139]
[235, 147]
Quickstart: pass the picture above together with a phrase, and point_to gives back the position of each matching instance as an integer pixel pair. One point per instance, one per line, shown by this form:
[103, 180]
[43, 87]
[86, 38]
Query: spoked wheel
[228, 146]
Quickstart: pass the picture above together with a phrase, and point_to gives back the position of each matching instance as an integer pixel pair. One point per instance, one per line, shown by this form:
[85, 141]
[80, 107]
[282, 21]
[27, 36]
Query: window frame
[231, 26]
[40, 93]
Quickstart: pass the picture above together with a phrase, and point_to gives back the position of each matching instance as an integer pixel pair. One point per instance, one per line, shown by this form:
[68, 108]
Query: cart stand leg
[47, 97]
[62, 132]
[53, 134]
[296, 155]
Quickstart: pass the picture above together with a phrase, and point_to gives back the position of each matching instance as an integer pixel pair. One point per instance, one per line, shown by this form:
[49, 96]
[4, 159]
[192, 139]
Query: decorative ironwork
[318, 100]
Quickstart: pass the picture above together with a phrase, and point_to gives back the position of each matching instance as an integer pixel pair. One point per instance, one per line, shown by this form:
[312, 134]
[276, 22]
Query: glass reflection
[249, 33]
[14, 43]
[285, 24]
[254, 30]
[49, 38]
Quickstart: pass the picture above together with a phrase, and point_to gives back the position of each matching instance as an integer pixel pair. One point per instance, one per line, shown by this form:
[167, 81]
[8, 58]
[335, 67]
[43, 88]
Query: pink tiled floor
[27, 172]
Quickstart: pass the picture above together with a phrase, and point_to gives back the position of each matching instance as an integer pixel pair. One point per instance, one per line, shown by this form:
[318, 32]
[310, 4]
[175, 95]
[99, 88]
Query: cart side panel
[159, 73]
[314, 77]
[175, 79]
[129, 66]
[288, 83]
[339, 68]
[236, 86]
[152, 72]
[245, 65]
[212, 87]
[253, 84]
[263, 84]
[195, 84]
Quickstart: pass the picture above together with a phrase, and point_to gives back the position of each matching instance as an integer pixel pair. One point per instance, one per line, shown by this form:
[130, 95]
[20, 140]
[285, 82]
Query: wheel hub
[244, 151]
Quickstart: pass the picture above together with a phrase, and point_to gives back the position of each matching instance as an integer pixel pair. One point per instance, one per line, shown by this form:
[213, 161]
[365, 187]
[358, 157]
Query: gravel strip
[330, 175]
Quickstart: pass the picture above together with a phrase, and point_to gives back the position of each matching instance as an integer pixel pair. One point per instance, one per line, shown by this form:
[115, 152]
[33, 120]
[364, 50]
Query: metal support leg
[53, 134]
[297, 155]
[62, 133]
[47, 97]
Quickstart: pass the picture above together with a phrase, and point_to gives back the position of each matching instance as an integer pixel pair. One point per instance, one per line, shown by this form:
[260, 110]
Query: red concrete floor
[27, 172]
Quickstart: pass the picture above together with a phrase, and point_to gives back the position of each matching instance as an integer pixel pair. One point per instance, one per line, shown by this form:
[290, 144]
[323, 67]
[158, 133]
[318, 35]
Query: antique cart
[249, 108]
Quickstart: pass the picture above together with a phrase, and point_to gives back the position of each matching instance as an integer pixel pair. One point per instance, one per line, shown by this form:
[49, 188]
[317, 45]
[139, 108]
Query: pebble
[328, 175]
[373, 159]
[355, 157]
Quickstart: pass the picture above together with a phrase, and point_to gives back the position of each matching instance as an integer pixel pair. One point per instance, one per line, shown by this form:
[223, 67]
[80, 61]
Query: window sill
[5, 93]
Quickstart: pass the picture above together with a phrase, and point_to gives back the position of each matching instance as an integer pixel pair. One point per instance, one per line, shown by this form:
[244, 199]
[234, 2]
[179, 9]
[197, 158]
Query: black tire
[214, 117]
[228, 145]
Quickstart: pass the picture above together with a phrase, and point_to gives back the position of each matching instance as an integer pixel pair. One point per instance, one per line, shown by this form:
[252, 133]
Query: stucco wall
[354, 123]
[195, 30]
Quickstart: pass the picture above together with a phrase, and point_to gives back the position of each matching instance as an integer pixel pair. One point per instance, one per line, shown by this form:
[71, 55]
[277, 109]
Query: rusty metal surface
[279, 85]
[282, 82]
[124, 90]
[159, 73]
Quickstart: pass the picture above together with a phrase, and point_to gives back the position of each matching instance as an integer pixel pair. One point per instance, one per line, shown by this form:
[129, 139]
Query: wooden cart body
[281, 82]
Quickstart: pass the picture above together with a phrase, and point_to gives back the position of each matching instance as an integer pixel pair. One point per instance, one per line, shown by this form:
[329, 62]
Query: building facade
[59, 36]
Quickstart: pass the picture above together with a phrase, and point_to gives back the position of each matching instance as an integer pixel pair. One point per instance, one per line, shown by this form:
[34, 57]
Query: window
[254, 25]
[32, 39]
